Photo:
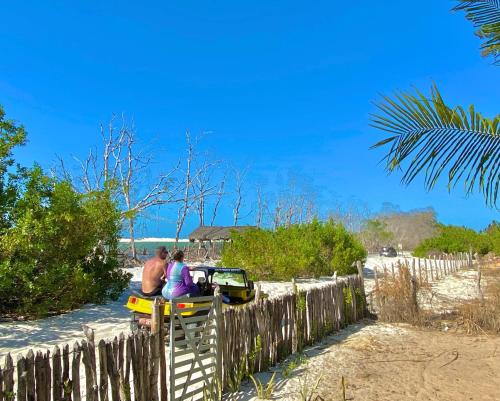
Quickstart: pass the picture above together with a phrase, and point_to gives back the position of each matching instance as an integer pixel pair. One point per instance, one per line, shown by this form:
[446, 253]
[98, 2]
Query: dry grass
[398, 302]
[481, 317]
[398, 298]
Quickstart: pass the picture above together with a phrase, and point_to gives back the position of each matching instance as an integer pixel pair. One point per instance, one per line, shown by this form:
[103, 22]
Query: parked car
[388, 251]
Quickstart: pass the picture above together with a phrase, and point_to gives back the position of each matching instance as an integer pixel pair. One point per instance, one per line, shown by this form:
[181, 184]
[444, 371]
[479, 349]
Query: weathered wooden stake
[479, 290]
[21, 378]
[257, 293]
[75, 372]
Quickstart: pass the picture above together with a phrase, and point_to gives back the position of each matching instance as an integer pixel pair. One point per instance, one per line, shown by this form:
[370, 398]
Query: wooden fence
[133, 366]
[423, 271]
[272, 329]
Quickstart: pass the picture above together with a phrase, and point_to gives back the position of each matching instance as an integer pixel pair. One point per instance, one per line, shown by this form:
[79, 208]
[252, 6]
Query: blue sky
[284, 87]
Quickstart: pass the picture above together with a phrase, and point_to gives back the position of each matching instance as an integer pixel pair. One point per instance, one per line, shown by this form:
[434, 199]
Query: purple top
[179, 281]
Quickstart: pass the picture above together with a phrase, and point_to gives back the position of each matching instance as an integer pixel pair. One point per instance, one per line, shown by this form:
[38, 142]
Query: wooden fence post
[103, 372]
[359, 266]
[90, 358]
[219, 335]
[156, 324]
[56, 375]
[66, 384]
[30, 378]
[377, 290]
[257, 293]
[8, 378]
[75, 372]
[112, 367]
[163, 362]
[479, 290]
[21, 378]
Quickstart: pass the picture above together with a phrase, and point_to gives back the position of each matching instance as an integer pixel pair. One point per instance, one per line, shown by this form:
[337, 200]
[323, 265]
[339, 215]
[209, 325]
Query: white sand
[153, 239]
[113, 318]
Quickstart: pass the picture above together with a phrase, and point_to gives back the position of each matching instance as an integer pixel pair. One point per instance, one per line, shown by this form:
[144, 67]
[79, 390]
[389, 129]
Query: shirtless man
[153, 275]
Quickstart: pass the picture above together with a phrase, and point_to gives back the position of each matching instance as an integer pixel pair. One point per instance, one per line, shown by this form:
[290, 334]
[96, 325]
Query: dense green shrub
[493, 234]
[452, 239]
[58, 248]
[303, 250]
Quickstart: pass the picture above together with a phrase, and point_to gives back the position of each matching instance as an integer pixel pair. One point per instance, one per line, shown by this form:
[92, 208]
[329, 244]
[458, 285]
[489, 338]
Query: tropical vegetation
[453, 239]
[58, 248]
[430, 137]
[302, 250]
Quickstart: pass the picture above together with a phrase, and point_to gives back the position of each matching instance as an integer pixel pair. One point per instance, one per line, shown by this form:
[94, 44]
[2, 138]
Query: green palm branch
[485, 15]
[435, 138]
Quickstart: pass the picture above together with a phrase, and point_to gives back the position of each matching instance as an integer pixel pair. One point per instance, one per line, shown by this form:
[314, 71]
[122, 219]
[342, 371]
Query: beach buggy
[233, 285]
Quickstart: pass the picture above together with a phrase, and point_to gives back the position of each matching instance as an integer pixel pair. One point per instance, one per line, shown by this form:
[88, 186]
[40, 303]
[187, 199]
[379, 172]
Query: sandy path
[107, 320]
[394, 363]
[113, 318]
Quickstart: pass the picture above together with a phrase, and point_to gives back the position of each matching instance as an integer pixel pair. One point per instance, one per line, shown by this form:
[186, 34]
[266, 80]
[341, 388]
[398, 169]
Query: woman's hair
[178, 256]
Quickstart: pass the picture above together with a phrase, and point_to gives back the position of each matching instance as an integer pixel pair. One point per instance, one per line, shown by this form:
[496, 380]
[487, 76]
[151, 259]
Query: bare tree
[294, 205]
[218, 199]
[239, 179]
[121, 166]
[195, 186]
[204, 188]
[186, 200]
[261, 208]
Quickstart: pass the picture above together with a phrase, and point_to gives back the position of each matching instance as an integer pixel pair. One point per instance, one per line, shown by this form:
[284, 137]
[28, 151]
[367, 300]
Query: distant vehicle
[388, 251]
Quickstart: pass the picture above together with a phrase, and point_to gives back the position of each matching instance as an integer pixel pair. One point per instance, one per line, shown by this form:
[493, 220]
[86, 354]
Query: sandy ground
[441, 295]
[113, 318]
[107, 320]
[393, 363]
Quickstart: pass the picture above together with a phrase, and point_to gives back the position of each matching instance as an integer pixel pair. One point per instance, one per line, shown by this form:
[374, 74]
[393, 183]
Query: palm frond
[435, 138]
[485, 15]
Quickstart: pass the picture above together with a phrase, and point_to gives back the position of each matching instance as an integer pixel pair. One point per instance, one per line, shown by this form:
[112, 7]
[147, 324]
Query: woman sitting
[179, 281]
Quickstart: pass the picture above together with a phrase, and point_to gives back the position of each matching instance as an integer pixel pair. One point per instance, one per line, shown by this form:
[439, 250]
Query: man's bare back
[154, 271]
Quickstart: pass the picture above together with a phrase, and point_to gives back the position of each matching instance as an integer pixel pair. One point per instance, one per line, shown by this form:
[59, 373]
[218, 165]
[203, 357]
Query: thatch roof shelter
[215, 233]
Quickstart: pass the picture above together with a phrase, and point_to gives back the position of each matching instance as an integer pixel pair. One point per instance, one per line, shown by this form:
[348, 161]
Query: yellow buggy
[233, 284]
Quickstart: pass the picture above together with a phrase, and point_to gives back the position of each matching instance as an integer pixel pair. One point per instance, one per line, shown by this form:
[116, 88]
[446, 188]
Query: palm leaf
[435, 138]
[485, 15]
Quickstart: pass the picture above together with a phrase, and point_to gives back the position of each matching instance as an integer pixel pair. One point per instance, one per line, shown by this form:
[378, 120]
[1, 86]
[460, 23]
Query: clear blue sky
[283, 86]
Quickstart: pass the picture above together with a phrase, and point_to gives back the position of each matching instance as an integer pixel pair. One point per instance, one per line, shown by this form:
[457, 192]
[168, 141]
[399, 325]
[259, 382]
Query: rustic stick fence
[134, 366]
[423, 272]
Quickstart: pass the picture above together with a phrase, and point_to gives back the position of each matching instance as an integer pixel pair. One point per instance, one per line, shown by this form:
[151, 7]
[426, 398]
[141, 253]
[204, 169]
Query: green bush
[61, 250]
[452, 239]
[493, 234]
[303, 250]
[58, 248]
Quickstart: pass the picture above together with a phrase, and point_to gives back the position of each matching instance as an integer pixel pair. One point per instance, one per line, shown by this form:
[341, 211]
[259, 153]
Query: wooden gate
[195, 355]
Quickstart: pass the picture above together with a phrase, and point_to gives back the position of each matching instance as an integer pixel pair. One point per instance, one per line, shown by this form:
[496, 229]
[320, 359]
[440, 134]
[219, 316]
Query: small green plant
[252, 356]
[264, 392]
[67, 386]
[244, 367]
[297, 361]
[9, 395]
[308, 391]
[213, 392]
[237, 375]
[343, 385]
[360, 301]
